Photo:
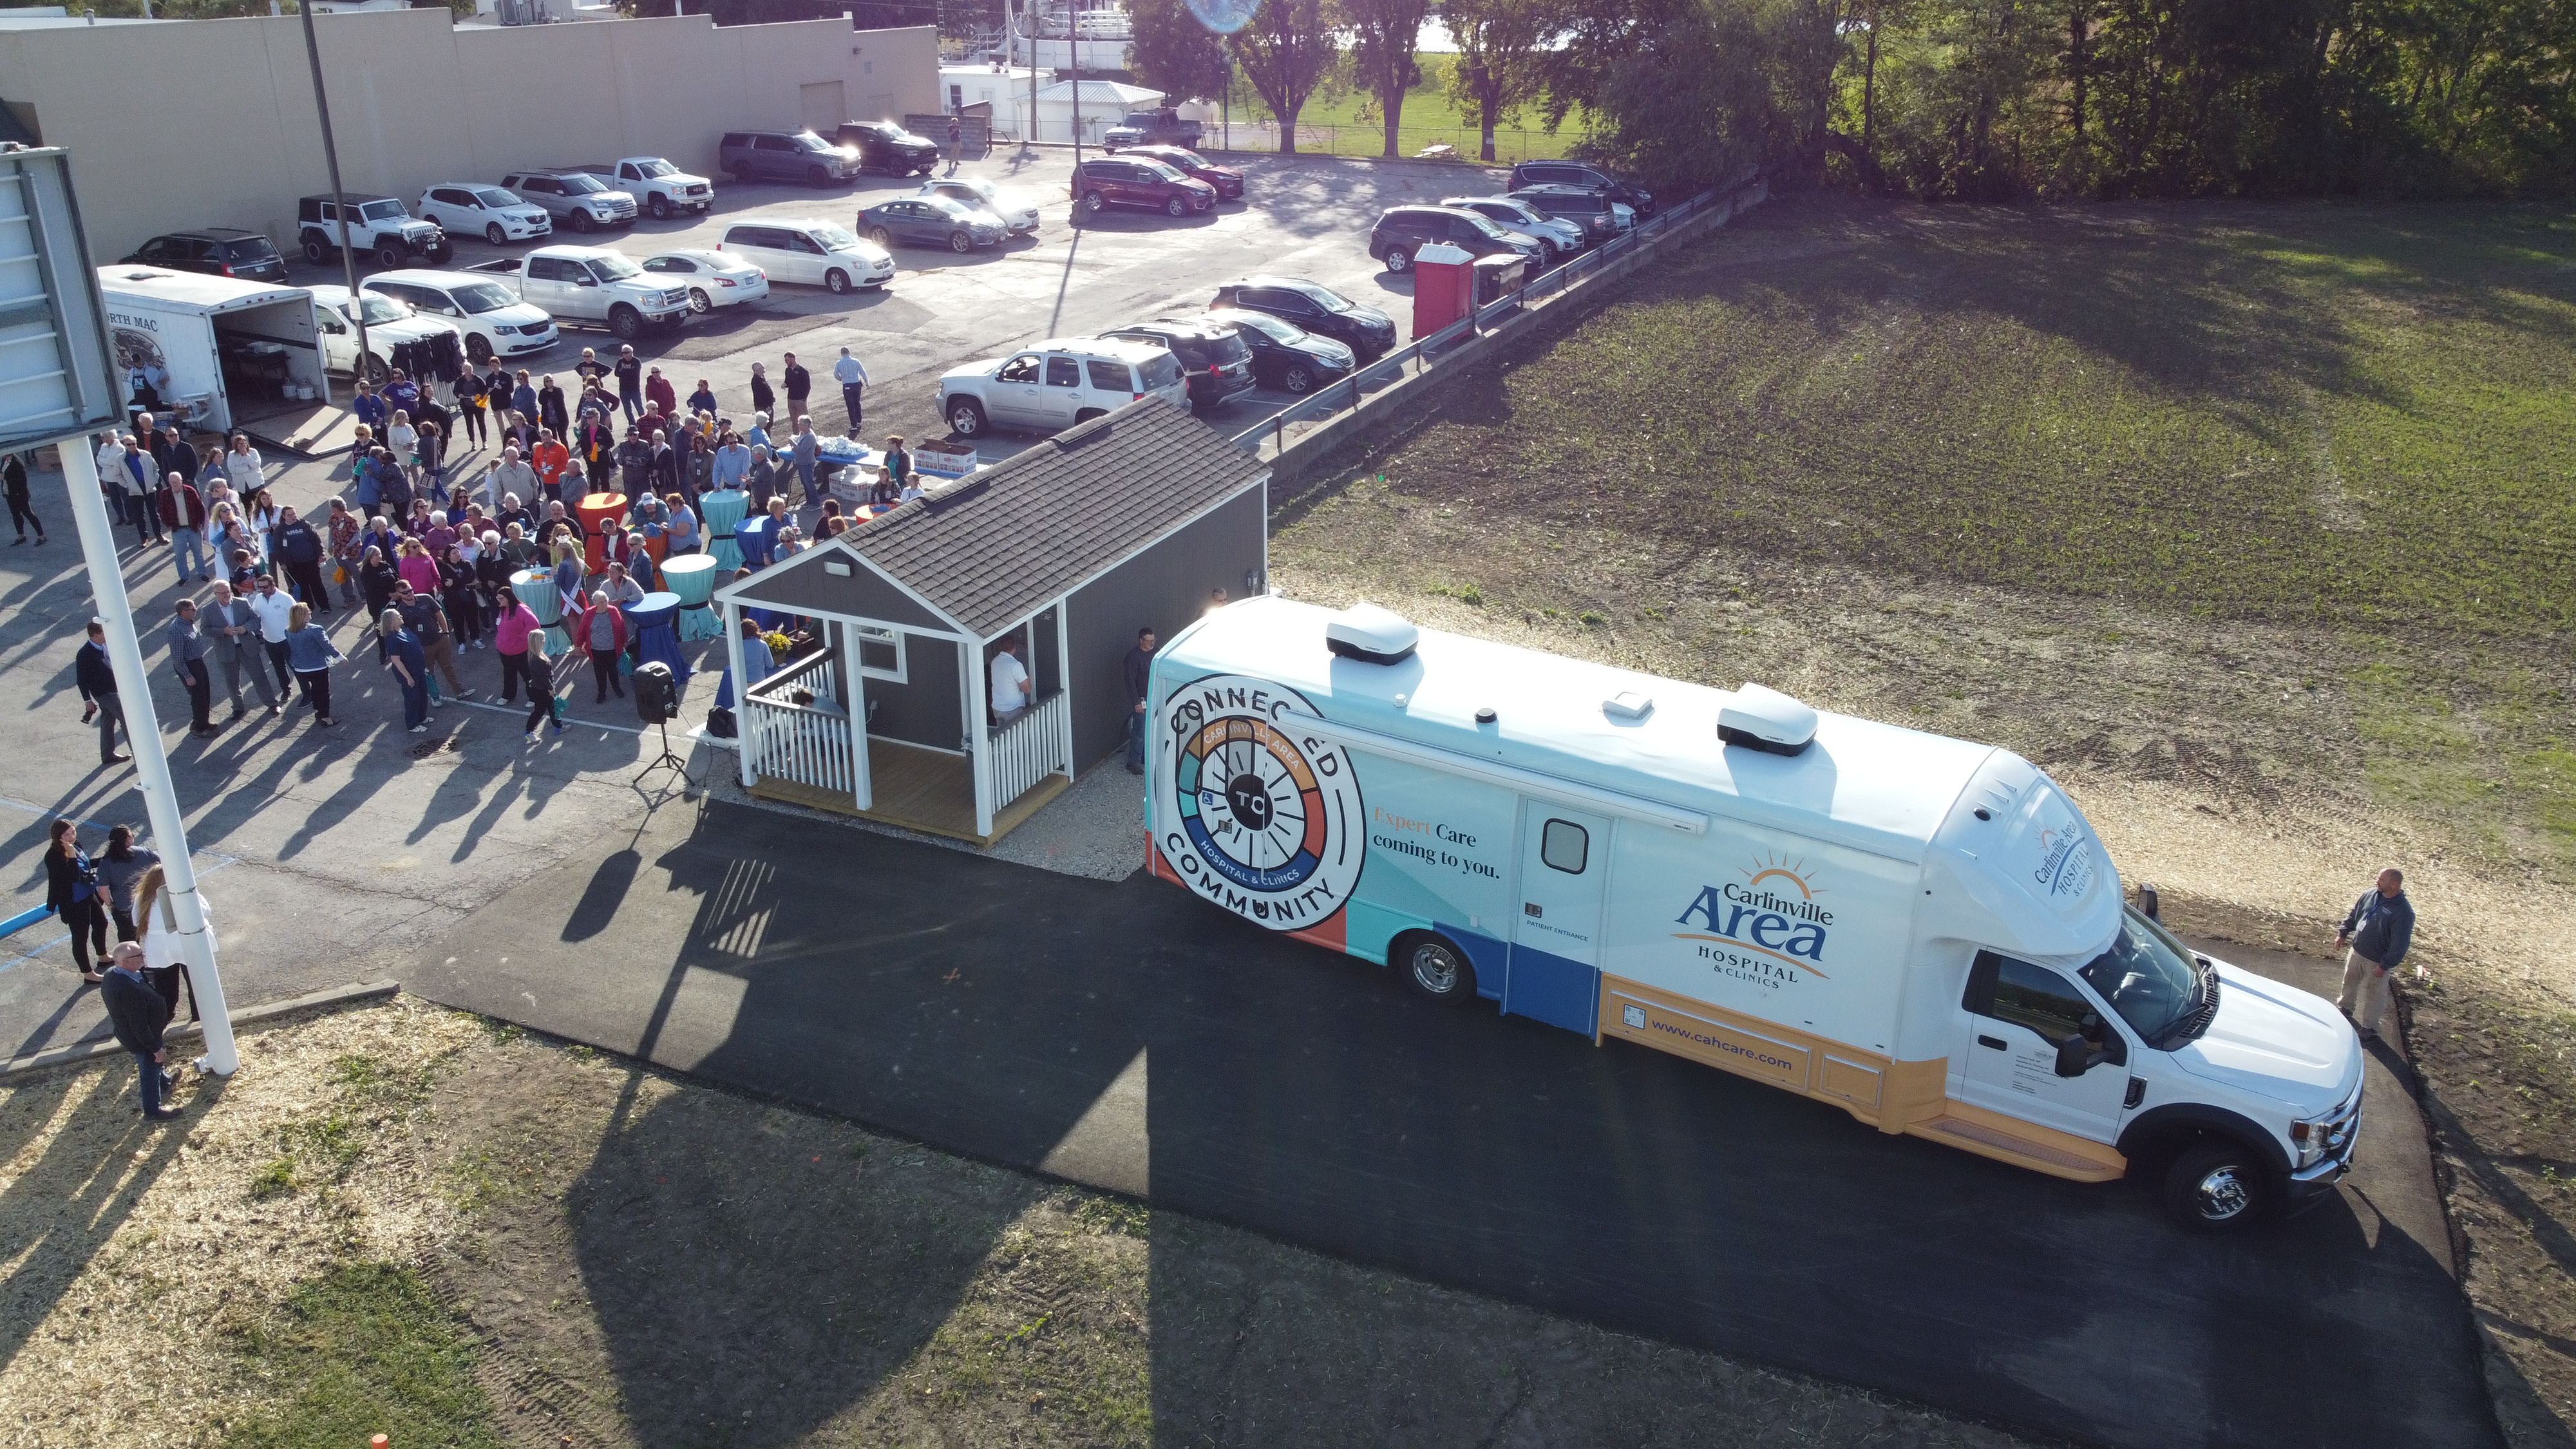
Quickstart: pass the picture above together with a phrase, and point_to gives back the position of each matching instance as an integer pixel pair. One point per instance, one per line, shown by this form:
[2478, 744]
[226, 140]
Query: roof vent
[1628, 704]
[1767, 720]
[1371, 635]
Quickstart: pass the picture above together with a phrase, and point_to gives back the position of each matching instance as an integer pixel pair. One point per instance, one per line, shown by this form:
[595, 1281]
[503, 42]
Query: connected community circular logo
[1259, 815]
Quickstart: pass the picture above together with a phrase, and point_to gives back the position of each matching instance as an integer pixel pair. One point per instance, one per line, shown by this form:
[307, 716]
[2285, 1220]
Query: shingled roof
[1015, 537]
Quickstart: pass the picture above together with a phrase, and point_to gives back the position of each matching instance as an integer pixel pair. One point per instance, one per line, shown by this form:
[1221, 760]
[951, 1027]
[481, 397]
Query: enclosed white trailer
[204, 345]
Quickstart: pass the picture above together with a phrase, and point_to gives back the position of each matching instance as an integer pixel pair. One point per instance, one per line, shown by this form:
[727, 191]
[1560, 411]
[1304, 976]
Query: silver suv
[575, 198]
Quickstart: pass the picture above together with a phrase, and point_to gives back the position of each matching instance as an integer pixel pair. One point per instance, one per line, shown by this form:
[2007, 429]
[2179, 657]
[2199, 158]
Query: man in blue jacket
[2376, 931]
[140, 1016]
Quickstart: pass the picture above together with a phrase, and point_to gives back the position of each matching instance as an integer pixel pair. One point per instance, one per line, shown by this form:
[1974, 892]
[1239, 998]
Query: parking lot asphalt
[1303, 216]
[1128, 1036]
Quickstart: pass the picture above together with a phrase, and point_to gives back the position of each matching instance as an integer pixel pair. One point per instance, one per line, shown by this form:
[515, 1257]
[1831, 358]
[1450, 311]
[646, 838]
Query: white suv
[1056, 384]
[471, 208]
[488, 311]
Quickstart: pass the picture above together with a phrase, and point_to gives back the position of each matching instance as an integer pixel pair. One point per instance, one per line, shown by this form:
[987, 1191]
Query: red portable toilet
[1444, 287]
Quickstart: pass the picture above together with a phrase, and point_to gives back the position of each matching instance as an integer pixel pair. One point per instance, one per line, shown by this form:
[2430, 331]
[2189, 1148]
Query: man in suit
[140, 1017]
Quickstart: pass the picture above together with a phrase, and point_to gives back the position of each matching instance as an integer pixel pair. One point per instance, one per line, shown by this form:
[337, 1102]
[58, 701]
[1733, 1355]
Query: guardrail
[1352, 393]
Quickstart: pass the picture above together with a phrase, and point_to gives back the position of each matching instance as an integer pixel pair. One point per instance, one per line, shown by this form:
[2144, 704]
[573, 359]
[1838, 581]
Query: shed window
[880, 653]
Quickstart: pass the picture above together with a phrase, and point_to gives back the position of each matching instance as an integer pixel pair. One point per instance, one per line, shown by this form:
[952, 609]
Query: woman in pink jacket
[417, 568]
[516, 634]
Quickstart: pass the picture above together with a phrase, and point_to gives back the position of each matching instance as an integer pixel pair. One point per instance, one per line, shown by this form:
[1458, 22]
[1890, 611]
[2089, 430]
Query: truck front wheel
[966, 417]
[2219, 1185]
[1437, 969]
[389, 255]
[626, 322]
[374, 370]
[661, 208]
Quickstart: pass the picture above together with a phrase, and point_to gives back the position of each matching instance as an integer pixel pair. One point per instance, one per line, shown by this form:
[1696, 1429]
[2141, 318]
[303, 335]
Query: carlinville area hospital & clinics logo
[1257, 815]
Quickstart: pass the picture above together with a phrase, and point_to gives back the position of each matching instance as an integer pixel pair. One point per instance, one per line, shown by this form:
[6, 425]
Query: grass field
[1344, 121]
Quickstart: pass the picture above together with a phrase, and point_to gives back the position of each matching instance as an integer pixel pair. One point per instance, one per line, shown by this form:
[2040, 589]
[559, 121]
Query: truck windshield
[614, 267]
[2147, 976]
[381, 210]
[481, 297]
[657, 168]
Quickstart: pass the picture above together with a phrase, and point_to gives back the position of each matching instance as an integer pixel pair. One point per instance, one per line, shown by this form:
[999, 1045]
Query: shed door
[1556, 938]
[819, 102]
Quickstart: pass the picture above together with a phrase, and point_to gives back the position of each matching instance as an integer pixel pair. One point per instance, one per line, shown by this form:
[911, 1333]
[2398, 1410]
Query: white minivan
[495, 322]
[815, 253]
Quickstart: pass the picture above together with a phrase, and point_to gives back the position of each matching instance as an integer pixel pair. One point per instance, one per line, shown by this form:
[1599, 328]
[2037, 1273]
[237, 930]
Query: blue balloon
[1225, 17]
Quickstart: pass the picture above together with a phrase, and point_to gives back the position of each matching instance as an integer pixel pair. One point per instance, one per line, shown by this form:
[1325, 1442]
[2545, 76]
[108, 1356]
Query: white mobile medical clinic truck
[1919, 930]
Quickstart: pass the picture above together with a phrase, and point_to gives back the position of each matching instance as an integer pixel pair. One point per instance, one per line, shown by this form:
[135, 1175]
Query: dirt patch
[399, 1218]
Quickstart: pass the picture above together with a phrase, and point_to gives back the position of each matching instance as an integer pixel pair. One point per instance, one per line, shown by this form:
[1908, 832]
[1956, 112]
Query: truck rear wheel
[626, 322]
[317, 247]
[1434, 967]
[2219, 1185]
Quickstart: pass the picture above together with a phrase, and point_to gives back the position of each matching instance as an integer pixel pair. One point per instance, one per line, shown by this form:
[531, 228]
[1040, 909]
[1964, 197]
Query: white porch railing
[803, 743]
[1031, 749]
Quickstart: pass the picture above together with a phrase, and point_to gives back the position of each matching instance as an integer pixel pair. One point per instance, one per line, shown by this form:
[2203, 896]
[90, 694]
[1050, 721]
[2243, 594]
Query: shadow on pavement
[988, 1009]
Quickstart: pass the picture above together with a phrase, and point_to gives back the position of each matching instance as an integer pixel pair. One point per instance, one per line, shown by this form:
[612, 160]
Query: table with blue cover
[652, 618]
[758, 539]
[723, 510]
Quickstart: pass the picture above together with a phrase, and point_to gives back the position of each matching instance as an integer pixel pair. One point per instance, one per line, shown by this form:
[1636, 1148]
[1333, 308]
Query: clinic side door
[1556, 937]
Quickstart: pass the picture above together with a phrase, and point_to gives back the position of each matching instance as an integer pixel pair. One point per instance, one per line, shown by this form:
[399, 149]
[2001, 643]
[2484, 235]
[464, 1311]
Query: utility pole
[143, 742]
[339, 199]
[1073, 42]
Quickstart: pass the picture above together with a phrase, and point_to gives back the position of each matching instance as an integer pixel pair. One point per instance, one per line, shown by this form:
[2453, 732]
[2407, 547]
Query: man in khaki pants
[2376, 931]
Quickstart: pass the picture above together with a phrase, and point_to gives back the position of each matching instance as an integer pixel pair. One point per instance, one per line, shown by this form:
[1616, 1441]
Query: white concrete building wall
[211, 122]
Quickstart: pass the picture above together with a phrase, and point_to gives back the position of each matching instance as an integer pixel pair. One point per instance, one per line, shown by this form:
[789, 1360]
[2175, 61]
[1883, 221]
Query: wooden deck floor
[925, 790]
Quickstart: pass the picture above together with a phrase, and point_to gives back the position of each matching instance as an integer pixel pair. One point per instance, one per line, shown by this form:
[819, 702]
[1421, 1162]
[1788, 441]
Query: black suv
[887, 147]
[1316, 308]
[1588, 207]
[1162, 127]
[218, 251]
[1212, 357]
[1583, 173]
[1405, 230]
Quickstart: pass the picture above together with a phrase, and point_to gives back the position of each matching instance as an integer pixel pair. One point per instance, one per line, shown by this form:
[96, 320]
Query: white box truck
[203, 344]
[1921, 931]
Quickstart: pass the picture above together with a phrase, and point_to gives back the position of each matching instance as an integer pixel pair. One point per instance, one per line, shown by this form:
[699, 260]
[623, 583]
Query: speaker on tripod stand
[656, 700]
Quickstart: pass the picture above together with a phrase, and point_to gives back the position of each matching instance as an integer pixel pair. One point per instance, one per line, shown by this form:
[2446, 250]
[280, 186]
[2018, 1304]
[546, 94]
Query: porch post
[861, 787]
[741, 688]
[979, 740]
[1064, 687]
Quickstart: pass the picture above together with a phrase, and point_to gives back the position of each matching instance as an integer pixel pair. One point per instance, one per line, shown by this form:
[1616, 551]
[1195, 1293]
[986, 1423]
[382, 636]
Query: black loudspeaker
[653, 693]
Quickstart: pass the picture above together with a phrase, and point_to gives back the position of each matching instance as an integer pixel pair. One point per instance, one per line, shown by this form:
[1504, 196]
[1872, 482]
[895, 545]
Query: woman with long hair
[417, 568]
[259, 512]
[163, 967]
[72, 892]
[118, 870]
[310, 652]
[404, 439]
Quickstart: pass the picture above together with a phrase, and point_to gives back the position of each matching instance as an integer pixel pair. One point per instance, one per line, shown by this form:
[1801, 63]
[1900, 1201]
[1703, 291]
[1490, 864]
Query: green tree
[1502, 55]
[1287, 53]
[1173, 53]
[1383, 35]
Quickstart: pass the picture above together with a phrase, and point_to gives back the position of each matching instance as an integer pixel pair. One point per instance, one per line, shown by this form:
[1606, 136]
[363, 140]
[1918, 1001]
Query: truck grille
[674, 298]
[694, 191]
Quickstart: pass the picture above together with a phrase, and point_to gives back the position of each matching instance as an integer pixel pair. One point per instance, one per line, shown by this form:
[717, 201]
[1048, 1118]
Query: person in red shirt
[550, 459]
[659, 392]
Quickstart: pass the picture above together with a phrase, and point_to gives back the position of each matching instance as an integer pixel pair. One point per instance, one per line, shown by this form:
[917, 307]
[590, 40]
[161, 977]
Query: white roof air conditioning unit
[1372, 635]
[1767, 720]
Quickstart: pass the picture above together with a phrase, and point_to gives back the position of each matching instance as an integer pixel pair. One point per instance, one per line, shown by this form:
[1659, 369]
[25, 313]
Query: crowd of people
[428, 545]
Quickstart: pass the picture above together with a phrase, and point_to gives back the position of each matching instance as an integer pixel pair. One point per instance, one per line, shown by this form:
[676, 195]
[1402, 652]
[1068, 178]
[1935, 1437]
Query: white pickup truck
[654, 181]
[593, 286]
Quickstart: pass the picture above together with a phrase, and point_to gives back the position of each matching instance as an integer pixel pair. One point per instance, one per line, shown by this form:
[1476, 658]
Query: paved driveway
[1130, 1037]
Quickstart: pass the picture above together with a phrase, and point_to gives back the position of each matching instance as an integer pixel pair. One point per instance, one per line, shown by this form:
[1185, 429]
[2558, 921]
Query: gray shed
[1133, 520]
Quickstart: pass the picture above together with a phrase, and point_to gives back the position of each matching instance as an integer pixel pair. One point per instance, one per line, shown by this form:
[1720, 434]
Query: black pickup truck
[1152, 128]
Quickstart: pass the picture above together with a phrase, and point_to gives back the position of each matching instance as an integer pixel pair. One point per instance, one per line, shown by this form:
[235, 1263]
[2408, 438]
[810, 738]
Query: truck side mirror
[2075, 1057]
